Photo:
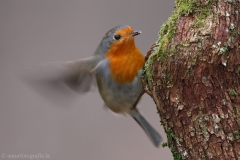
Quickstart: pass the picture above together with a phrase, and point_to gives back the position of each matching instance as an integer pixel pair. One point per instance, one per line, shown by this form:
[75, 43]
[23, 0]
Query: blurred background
[40, 31]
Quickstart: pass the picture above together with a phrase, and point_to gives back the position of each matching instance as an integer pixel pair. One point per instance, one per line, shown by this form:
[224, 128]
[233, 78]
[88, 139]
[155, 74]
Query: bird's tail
[154, 136]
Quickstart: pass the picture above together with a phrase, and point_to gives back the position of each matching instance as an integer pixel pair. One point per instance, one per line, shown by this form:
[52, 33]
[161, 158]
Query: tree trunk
[194, 76]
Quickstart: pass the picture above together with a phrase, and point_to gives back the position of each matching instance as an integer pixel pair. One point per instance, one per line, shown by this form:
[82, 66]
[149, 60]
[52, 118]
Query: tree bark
[194, 77]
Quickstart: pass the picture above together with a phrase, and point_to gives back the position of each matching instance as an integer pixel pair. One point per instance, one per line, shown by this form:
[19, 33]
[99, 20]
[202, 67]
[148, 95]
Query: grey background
[38, 31]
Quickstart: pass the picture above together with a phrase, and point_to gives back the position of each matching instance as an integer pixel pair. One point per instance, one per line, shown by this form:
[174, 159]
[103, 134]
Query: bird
[116, 66]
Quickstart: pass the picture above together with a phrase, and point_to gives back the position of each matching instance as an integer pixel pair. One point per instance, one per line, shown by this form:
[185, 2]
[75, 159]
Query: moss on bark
[194, 77]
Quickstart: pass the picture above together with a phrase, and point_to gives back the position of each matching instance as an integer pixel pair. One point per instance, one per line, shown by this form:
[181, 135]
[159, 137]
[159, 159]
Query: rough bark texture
[194, 76]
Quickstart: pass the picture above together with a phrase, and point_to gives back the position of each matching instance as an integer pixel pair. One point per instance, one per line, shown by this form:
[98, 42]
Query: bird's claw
[145, 87]
[144, 90]
[150, 51]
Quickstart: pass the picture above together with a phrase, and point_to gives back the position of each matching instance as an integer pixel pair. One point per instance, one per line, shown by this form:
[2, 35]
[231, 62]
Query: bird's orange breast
[125, 60]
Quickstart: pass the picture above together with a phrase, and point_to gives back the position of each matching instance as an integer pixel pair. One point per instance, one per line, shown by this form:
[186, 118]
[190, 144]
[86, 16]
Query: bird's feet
[150, 51]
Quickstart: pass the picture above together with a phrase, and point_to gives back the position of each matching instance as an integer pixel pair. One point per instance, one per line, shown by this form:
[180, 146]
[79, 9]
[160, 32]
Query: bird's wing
[78, 74]
[53, 80]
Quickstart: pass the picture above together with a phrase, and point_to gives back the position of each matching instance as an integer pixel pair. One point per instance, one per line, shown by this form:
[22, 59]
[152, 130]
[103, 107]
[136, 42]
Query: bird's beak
[136, 32]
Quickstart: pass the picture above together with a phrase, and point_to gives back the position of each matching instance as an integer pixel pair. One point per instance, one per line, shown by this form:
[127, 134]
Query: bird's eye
[117, 36]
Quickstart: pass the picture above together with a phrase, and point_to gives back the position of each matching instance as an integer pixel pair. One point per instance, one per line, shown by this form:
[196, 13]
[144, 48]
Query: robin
[117, 66]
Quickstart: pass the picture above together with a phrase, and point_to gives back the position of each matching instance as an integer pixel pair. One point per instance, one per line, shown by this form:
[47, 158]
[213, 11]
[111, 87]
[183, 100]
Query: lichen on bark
[194, 76]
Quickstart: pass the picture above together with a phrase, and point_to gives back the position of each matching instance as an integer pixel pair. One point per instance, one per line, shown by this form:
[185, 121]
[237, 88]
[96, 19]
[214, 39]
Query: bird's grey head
[108, 38]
